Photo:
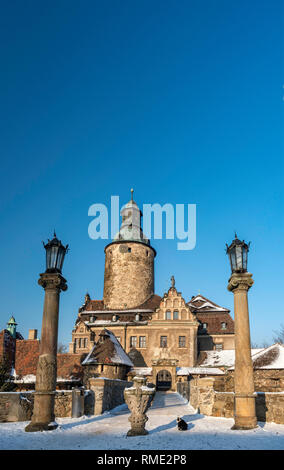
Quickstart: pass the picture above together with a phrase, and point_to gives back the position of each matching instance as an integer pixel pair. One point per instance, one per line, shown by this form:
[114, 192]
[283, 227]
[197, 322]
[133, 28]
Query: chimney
[32, 334]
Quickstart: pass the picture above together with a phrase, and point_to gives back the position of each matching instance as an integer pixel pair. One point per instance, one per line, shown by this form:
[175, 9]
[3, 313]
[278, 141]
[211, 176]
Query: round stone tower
[129, 263]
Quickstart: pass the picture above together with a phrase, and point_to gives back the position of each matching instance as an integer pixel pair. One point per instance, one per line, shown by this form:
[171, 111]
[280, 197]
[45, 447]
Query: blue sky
[182, 101]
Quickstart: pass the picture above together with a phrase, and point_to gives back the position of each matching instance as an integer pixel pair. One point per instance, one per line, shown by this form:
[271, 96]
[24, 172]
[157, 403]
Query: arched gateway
[164, 380]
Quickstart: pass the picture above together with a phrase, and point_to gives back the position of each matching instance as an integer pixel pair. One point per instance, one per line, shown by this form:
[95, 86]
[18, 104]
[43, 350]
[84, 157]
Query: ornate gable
[173, 307]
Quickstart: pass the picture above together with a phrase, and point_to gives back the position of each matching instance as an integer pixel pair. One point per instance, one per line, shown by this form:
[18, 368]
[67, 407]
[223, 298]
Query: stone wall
[207, 399]
[107, 394]
[18, 406]
[265, 380]
[183, 388]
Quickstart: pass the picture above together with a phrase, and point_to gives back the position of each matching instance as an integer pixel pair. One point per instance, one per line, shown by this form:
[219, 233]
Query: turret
[12, 327]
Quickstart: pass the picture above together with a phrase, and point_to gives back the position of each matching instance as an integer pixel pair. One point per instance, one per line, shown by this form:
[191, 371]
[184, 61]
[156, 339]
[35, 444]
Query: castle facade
[152, 329]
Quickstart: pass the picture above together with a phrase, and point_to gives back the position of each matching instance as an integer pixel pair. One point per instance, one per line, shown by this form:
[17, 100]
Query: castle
[161, 333]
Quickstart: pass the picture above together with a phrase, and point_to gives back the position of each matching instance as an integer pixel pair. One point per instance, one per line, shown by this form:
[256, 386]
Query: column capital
[240, 281]
[52, 281]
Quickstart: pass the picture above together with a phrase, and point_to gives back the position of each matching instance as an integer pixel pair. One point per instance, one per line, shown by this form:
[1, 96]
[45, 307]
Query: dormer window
[204, 326]
[224, 326]
[137, 317]
[115, 317]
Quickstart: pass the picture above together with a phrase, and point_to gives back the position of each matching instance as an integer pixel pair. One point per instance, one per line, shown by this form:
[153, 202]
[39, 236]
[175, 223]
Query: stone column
[43, 418]
[244, 413]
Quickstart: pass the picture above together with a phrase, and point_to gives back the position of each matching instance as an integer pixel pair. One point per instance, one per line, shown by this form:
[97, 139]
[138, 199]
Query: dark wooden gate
[164, 380]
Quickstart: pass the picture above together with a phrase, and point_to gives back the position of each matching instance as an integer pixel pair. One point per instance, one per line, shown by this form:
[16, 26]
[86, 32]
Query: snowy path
[108, 431]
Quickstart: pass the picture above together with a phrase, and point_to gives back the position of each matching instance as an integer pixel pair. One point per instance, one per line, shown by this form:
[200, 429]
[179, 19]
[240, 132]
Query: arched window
[168, 315]
[176, 315]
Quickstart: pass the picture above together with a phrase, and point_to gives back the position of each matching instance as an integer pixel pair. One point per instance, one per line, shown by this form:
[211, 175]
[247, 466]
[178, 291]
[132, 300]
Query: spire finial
[54, 233]
[236, 235]
[132, 191]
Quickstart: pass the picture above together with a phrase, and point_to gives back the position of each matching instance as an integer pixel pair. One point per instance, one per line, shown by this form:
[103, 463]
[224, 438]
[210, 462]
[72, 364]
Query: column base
[244, 424]
[137, 432]
[35, 427]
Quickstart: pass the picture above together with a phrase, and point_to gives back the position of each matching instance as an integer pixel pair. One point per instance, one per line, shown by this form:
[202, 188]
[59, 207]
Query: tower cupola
[12, 327]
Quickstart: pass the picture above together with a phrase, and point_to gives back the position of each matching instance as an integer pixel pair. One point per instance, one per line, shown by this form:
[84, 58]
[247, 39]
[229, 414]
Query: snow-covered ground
[108, 431]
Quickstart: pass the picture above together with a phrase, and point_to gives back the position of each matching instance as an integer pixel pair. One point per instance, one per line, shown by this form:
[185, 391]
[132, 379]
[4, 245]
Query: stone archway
[168, 365]
[163, 380]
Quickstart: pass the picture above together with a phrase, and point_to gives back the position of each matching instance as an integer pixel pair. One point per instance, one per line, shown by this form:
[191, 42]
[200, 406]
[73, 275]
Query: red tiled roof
[94, 305]
[214, 322]
[27, 353]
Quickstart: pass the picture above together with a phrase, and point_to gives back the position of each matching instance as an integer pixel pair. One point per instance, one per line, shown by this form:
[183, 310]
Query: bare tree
[279, 335]
[6, 385]
[61, 348]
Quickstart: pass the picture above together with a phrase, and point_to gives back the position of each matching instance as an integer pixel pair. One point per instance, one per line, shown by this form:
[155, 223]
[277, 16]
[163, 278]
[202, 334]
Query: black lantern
[238, 254]
[55, 253]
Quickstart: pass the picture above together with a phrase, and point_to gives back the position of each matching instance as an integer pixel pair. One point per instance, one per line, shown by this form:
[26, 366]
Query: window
[129, 250]
[181, 341]
[142, 341]
[81, 343]
[224, 326]
[175, 315]
[81, 330]
[137, 317]
[133, 341]
[204, 326]
[168, 315]
[219, 347]
[102, 368]
[85, 342]
[163, 341]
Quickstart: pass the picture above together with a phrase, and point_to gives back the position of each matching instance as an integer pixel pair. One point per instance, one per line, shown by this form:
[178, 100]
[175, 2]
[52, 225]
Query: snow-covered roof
[199, 371]
[26, 379]
[118, 355]
[268, 358]
[31, 378]
[142, 370]
[223, 358]
[201, 303]
[263, 358]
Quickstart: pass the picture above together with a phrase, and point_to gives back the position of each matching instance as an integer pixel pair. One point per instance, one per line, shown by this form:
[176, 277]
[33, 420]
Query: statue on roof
[173, 281]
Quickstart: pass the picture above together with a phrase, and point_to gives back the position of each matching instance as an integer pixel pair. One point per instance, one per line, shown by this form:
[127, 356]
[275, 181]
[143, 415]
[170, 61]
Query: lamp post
[239, 283]
[53, 282]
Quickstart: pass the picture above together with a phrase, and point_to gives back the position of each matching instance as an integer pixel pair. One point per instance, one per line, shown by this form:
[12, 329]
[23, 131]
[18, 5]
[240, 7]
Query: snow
[108, 431]
[199, 370]
[206, 303]
[278, 363]
[30, 378]
[142, 370]
[225, 357]
[119, 357]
